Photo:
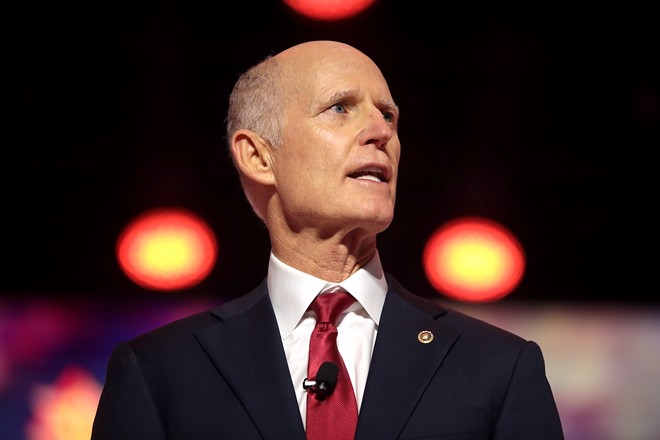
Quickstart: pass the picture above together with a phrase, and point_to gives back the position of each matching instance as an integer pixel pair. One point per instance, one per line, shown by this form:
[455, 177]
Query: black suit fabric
[223, 374]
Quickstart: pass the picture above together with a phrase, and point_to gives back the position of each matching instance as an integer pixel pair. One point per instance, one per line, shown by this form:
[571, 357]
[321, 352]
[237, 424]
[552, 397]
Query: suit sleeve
[126, 409]
[529, 409]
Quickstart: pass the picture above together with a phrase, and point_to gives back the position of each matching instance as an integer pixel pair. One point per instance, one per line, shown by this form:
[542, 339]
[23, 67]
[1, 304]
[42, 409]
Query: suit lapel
[401, 365]
[246, 348]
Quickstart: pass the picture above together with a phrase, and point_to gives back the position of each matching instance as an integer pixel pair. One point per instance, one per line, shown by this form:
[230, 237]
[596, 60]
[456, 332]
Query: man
[313, 134]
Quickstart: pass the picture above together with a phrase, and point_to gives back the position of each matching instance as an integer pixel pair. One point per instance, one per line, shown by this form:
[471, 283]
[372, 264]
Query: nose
[377, 131]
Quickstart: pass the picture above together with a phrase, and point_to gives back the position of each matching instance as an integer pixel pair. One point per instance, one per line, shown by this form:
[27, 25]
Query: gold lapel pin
[425, 336]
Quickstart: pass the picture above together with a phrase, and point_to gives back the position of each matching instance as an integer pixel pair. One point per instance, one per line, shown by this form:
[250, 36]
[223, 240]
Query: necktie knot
[329, 306]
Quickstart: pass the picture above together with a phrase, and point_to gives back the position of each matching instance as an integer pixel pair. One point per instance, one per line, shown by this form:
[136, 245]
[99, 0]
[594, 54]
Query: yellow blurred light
[473, 259]
[167, 249]
[66, 409]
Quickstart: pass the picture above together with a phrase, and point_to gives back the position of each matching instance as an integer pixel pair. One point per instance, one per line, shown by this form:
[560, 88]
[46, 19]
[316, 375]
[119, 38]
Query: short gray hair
[257, 102]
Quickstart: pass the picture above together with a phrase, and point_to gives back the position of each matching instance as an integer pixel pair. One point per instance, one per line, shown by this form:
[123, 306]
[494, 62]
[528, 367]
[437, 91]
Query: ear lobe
[252, 156]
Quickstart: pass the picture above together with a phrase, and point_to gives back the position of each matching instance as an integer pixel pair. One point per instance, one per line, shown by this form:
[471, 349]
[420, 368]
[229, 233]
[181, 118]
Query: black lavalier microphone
[325, 380]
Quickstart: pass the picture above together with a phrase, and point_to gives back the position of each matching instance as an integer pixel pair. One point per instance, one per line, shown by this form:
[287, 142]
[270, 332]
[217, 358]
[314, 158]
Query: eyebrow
[342, 95]
[348, 94]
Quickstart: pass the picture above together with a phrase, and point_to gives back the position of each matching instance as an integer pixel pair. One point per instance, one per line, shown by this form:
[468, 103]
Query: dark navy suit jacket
[223, 374]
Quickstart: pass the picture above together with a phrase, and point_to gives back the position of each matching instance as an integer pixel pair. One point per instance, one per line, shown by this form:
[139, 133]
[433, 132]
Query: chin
[377, 224]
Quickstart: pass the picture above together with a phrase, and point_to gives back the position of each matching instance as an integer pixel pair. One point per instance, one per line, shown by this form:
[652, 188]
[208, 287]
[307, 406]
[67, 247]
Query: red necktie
[335, 416]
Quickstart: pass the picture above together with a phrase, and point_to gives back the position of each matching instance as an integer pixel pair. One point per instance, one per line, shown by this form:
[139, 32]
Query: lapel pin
[425, 336]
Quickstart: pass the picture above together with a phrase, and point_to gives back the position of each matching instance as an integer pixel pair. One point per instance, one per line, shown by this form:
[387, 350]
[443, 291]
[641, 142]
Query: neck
[331, 258]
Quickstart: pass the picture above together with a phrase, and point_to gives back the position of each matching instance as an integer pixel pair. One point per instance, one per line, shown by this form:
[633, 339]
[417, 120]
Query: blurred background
[541, 117]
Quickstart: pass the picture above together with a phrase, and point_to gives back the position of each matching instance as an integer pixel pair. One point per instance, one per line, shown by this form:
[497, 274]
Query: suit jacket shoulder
[221, 373]
[437, 372]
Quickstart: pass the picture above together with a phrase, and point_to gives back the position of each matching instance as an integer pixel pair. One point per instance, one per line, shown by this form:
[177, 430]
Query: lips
[375, 173]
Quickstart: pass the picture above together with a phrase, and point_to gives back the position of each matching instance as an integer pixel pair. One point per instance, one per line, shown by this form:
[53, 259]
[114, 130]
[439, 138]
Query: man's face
[338, 166]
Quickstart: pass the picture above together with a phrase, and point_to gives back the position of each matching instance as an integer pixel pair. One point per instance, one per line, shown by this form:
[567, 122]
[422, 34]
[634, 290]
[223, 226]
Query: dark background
[542, 116]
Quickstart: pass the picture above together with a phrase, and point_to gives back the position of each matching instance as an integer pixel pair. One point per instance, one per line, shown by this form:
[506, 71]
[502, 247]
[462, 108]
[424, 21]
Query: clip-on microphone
[325, 380]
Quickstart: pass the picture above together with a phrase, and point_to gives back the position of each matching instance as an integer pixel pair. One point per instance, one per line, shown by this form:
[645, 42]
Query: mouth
[373, 173]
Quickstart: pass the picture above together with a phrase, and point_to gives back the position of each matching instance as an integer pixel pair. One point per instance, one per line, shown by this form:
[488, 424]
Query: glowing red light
[474, 259]
[167, 249]
[329, 10]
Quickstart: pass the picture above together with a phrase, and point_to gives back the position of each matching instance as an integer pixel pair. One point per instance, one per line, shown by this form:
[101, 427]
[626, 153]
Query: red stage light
[474, 259]
[167, 249]
[329, 10]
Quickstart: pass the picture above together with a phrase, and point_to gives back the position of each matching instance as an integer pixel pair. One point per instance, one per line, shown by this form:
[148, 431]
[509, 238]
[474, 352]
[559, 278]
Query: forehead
[323, 74]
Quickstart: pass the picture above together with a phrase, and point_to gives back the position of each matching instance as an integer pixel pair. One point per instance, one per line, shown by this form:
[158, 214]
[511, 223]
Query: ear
[252, 155]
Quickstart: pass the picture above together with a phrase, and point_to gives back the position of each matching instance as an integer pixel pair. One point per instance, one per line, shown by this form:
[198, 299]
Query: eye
[390, 113]
[339, 108]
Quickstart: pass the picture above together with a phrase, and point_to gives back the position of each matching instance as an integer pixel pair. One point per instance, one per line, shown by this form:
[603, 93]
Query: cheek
[395, 157]
[396, 150]
[297, 171]
[319, 154]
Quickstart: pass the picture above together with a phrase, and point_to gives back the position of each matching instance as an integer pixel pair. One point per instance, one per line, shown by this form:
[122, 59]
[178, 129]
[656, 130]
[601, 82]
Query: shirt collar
[292, 291]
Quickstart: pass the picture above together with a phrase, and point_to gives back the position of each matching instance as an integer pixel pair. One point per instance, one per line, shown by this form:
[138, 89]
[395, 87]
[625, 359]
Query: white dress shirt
[292, 291]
